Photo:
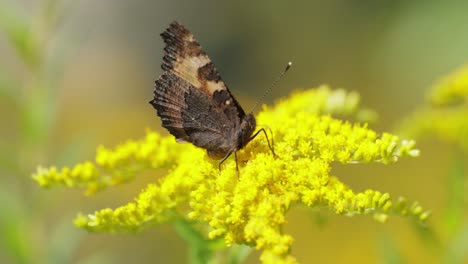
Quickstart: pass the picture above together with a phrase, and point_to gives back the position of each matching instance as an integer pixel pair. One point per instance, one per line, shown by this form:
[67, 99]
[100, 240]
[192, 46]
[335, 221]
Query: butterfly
[194, 103]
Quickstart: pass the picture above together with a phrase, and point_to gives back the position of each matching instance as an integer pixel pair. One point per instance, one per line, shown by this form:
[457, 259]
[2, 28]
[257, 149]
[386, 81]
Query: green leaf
[13, 227]
[9, 92]
[18, 31]
[38, 114]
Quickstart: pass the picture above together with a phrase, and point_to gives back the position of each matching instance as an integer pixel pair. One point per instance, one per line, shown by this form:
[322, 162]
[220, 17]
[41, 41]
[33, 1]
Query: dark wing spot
[232, 110]
[208, 72]
[221, 97]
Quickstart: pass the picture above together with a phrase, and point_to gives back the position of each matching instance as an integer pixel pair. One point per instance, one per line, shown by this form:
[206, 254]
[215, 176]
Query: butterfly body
[193, 102]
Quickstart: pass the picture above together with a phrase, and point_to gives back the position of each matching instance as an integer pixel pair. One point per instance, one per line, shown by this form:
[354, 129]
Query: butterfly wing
[193, 102]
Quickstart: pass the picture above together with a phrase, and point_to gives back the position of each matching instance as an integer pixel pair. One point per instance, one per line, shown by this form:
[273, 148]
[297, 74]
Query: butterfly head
[247, 127]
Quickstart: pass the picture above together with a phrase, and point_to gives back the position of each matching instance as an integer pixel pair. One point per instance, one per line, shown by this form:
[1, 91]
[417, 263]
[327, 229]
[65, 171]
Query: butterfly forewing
[191, 99]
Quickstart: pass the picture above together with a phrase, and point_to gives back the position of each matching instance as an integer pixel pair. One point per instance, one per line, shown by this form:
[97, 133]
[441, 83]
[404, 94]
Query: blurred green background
[75, 74]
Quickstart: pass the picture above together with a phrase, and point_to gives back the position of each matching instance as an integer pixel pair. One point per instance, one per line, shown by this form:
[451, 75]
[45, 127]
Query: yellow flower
[451, 89]
[445, 115]
[249, 208]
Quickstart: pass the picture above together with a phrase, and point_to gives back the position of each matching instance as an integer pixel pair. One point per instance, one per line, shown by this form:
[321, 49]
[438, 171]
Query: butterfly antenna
[272, 86]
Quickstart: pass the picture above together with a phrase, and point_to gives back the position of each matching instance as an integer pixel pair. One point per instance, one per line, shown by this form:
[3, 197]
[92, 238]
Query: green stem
[202, 250]
[453, 215]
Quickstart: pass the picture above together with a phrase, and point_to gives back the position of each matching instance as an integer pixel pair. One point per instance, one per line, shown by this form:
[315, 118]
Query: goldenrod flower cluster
[248, 207]
[451, 89]
[445, 115]
[112, 167]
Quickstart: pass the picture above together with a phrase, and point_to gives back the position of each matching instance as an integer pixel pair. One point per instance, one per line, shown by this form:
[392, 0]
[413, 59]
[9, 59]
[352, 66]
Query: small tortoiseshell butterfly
[194, 104]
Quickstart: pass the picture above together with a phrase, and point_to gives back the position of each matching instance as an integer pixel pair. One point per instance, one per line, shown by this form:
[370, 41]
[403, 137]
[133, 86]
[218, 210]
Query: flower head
[451, 89]
[250, 207]
[445, 115]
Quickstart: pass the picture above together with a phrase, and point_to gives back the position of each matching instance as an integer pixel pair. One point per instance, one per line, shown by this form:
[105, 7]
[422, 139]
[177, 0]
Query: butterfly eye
[228, 102]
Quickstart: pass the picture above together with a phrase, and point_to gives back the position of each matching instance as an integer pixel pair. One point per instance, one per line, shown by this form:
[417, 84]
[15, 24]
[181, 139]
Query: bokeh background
[76, 74]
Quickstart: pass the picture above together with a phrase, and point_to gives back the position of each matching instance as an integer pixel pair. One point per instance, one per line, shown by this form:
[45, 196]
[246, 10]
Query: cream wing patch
[188, 68]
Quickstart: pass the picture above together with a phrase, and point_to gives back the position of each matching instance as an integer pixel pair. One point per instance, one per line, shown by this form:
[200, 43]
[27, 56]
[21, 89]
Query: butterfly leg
[225, 158]
[237, 166]
[268, 141]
